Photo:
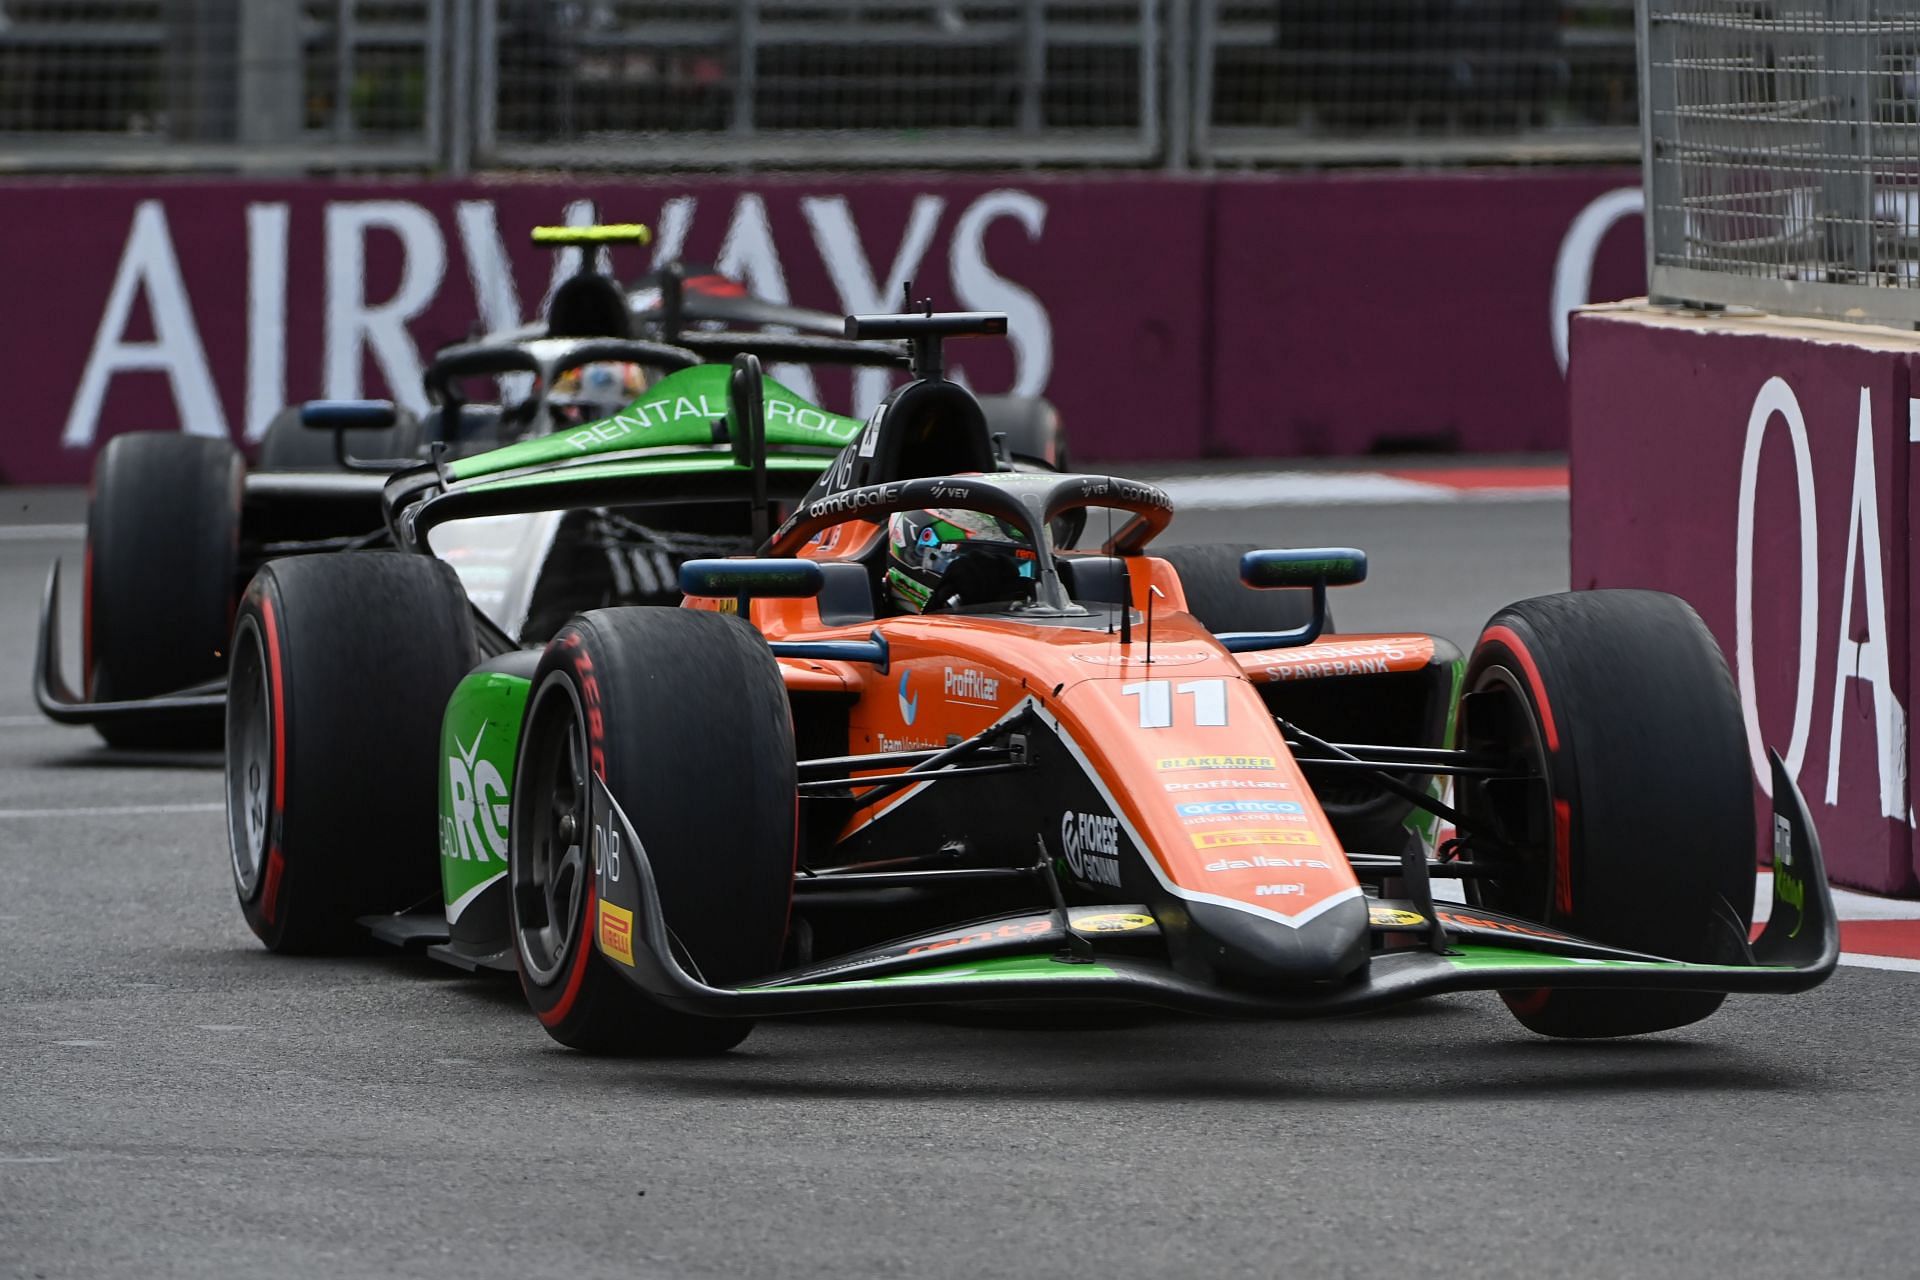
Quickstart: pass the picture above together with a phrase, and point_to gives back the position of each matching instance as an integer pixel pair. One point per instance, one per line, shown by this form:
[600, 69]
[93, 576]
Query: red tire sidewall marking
[1513, 644]
[277, 708]
[1535, 1001]
[589, 686]
[1562, 856]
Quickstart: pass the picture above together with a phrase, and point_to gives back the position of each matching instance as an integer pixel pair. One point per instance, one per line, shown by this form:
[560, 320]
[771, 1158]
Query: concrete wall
[1762, 470]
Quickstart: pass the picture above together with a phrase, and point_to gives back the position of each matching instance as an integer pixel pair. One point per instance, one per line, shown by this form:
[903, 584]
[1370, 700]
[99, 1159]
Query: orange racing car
[922, 750]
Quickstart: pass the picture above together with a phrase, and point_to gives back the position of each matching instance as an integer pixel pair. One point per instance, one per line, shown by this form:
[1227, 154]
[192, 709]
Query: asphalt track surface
[176, 1102]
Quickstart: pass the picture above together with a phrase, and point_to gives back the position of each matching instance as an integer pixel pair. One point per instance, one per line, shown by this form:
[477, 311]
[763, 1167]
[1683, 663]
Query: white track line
[42, 532]
[1847, 904]
[1862, 960]
[1242, 489]
[114, 811]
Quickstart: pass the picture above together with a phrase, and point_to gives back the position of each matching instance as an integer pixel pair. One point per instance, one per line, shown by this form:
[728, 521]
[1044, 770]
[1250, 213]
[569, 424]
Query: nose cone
[1256, 947]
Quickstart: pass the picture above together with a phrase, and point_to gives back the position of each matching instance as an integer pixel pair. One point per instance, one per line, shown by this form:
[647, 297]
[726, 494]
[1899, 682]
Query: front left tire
[342, 668]
[684, 717]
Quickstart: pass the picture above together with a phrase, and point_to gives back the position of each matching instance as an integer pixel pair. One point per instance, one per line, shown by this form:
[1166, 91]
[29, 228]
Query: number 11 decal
[1156, 701]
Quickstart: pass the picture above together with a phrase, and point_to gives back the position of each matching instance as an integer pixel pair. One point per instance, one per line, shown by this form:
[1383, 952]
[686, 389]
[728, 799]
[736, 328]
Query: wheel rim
[548, 855]
[1520, 807]
[249, 759]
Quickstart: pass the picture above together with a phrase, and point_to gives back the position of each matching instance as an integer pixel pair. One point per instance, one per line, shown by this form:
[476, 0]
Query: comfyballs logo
[1091, 843]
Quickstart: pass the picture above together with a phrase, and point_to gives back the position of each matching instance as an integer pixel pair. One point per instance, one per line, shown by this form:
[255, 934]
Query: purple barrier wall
[1168, 318]
[1761, 471]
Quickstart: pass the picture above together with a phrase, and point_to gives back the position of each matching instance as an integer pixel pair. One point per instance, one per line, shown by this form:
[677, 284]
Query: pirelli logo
[1225, 839]
[616, 933]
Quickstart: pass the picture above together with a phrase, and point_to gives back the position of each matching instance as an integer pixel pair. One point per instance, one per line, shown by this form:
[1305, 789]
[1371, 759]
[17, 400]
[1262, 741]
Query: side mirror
[749, 579]
[1315, 568]
[348, 415]
[1304, 567]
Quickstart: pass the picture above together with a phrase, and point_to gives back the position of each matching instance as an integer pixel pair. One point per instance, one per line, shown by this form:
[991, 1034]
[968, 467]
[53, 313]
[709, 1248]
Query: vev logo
[909, 707]
[477, 821]
[1091, 842]
[1239, 806]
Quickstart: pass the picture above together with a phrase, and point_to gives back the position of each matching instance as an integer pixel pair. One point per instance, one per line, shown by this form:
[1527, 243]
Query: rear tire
[1210, 577]
[342, 668]
[684, 716]
[163, 548]
[1637, 828]
[1032, 429]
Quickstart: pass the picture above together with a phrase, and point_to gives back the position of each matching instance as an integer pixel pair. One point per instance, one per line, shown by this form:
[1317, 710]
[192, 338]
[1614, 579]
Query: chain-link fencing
[221, 84]
[1783, 155]
[812, 82]
[1415, 81]
[355, 84]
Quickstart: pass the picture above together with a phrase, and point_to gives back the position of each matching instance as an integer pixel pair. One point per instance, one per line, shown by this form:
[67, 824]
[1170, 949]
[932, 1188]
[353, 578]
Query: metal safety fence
[1415, 81]
[813, 82]
[1782, 144]
[455, 84]
[211, 84]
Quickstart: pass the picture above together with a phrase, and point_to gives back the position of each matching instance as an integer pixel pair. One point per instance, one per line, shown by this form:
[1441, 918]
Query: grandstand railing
[457, 84]
[1782, 155]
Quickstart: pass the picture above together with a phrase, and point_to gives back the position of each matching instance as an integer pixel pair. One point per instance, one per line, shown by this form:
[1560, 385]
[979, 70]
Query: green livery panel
[478, 738]
[679, 410]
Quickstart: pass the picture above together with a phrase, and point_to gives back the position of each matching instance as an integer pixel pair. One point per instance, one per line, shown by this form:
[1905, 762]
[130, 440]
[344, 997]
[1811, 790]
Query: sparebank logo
[909, 707]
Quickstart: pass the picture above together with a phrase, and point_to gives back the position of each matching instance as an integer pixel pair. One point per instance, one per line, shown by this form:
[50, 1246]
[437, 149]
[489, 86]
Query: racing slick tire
[683, 715]
[1636, 826]
[163, 547]
[342, 669]
[1210, 577]
[290, 445]
[1031, 426]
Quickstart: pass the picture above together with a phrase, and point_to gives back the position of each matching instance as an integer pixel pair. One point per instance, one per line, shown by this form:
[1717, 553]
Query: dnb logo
[474, 827]
[1091, 843]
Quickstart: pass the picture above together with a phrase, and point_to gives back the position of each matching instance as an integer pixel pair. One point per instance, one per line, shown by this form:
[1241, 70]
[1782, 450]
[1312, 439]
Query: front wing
[1059, 956]
[59, 703]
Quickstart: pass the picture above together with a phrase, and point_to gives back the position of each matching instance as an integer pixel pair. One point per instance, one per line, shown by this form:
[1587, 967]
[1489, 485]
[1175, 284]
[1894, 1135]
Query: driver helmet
[595, 391]
[943, 559]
